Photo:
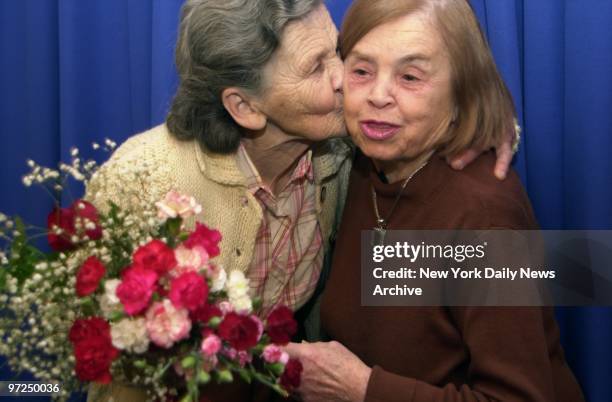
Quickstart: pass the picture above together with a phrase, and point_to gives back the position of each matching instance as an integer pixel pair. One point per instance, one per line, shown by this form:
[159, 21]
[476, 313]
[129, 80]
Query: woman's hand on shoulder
[504, 151]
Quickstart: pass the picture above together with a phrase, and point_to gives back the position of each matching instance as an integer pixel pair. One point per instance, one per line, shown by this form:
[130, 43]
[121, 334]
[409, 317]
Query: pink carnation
[260, 326]
[225, 307]
[167, 324]
[177, 204]
[189, 260]
[230, 352]
[244, 357]
[274, 354]
[136, 288]
[211, 345]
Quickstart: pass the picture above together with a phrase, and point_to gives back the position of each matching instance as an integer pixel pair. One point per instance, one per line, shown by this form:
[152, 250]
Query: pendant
[378, 236]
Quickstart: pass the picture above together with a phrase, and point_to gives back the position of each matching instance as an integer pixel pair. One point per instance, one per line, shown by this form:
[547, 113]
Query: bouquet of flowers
[133, 298]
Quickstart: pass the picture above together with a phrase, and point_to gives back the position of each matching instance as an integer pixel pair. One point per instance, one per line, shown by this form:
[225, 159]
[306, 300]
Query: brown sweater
[440, 354]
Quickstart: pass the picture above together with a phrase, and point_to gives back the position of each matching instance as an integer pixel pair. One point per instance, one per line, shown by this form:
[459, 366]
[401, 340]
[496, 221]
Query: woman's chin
[385, 154]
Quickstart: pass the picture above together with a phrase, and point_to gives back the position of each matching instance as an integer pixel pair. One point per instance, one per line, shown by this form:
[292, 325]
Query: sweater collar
[420, 188]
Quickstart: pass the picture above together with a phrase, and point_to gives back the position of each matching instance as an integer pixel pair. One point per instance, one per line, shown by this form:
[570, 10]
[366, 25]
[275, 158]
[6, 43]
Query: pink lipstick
[378, 130]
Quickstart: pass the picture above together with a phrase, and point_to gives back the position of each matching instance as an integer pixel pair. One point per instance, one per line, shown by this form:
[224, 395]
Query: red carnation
[240, 331]
[281, 325]
[87, 328]
[136, 288]
[290, 379]
[207, 238]
[86, 211]
[155, 256]
[205, 312]
[189, 290]
[93, 361]
[93, 349]
[89, 276]
[62, 218]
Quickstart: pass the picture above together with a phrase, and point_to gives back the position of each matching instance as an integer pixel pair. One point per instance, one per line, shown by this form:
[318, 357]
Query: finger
[463, 159]
[504, 158]
[294, 349]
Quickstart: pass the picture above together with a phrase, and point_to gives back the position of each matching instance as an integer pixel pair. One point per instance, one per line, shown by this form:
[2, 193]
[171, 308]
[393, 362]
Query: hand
[332, 373]
[504, 152]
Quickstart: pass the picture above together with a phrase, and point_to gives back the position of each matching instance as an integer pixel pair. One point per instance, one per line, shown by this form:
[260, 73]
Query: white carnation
[218, 277]
[237, 285]
[130, 335]
[242, 304]
[109, 302]
[238, 291]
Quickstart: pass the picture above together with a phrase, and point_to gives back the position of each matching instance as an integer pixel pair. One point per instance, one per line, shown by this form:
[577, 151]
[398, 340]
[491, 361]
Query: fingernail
[458, 165]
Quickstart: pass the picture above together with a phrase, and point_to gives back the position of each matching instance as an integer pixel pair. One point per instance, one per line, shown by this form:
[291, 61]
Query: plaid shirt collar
[254, 183]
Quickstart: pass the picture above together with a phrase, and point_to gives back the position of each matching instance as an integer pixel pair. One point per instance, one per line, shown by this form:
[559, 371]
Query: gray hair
[224, 43]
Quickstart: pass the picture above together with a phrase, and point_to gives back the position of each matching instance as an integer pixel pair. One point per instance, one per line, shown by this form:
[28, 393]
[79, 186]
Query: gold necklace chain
[381, 229]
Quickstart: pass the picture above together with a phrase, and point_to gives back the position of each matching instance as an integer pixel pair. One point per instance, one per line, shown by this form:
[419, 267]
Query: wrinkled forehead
[314, 32]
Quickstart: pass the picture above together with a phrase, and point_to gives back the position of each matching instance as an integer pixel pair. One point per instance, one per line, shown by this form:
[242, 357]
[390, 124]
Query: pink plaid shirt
[288, 254]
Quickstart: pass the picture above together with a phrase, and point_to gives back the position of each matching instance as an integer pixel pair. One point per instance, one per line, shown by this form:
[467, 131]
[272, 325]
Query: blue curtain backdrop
[73, 72]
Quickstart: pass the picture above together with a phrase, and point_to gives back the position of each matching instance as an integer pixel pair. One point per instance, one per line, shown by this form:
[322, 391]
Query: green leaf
[224, 376]
[203, 377]
[194, 391]
[257, 303]
[276, 368]
[214, 322]
[245, 375]
[2, 279]
[140, 364]
[188, 362]
[174, 226]
[88, 306]
[116, 316]
[280, 390]
[258, 349]
[23, 255]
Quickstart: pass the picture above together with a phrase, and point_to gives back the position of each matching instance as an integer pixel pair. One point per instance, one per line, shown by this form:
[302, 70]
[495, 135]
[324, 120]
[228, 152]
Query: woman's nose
[337, 74]
[380, 94]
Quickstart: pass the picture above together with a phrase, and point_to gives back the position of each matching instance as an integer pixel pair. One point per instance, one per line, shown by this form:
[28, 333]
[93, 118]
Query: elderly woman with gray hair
[249, 135]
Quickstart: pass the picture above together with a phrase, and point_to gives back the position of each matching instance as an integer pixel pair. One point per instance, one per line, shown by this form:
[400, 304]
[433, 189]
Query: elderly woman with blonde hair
[420, 84]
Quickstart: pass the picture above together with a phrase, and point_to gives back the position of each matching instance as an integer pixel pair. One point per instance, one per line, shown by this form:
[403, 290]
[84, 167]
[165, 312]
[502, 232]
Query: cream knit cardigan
[148, 165]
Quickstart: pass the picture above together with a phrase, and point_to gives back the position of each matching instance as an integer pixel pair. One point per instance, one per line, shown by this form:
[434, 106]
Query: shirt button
[244, 201]
[323, 194]
[238, 252]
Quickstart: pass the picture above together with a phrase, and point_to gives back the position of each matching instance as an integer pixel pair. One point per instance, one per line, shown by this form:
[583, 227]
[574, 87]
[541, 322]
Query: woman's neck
[401, 169]
[275, 154]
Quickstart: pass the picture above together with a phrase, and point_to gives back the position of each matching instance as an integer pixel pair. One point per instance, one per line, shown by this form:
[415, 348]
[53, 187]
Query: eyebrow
[410, 58]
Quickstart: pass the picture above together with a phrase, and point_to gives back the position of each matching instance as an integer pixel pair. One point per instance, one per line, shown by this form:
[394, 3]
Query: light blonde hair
[485, 110]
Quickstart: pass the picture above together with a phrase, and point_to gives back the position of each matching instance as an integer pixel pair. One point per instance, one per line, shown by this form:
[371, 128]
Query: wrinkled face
[303, 80]
[397, 90]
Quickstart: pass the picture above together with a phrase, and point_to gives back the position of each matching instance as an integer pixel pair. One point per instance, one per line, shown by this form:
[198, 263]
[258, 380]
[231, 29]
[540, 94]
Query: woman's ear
[242, 109]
